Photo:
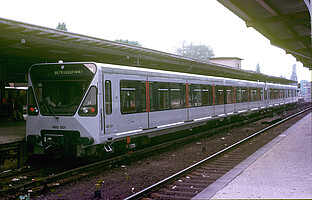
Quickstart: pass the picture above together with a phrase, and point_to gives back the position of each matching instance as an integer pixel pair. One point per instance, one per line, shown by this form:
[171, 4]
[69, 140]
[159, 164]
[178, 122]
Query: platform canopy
[24, 44]
[286, 23]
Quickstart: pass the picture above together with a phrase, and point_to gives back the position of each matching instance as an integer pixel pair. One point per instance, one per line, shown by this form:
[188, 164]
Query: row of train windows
[278, 93]
[135, 97]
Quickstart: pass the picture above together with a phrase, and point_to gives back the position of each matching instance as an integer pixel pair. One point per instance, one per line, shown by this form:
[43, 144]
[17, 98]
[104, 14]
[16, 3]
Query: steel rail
[180, 173]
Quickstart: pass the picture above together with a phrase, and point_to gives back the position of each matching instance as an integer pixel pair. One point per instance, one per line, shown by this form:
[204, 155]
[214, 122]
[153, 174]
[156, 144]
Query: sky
[161, 25]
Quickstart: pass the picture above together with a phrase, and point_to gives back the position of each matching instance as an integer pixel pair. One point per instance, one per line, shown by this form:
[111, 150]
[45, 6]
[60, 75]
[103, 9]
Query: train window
[152, 96]
[128, 90]
[253, 94]
[229, 95]
[190, 95]
[163, 96]
[220, 95]
[270, 94]
[143, 96]
[205, 95]
[108, 97]
[32, 107]
[175, 95]
[89, 105]
[183, 94]
[261, 95]
[239, 95]
[244, 94]
[275, 94]
[197, 95]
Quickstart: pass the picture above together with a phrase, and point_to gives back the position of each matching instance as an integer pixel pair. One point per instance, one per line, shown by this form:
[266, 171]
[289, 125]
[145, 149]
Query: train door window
[197, 98]
[229, 95]
[142, 100]
[183, 94]
[239, 95]
[220, 95]
[175, 95]
[151, 96]
[163, 96]
[128, 92]
[190, 95]
[108, 97]
[205, 95]
[261, 94]
[271, 94]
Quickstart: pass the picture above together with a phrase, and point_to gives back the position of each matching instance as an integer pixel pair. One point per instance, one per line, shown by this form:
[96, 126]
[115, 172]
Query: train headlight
[33, 138]
[87, 111]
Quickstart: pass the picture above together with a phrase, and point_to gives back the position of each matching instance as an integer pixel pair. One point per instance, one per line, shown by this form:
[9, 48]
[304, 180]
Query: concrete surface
[282, 169]
[12, 131]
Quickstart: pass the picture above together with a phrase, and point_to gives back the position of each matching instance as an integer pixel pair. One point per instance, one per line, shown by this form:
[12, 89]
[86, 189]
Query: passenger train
[82, 108]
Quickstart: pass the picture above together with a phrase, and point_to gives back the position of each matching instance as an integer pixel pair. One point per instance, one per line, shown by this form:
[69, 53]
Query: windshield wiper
[48, 107]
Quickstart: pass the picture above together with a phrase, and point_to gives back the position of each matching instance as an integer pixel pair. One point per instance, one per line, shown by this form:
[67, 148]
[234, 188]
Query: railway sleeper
[169, 197]
[179, 193]
[183, 188]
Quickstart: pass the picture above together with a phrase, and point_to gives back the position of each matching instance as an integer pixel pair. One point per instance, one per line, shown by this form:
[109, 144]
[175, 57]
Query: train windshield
[59, 88]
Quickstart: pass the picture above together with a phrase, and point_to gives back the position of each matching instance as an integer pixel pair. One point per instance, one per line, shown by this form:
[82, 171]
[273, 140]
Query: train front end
[62, 108]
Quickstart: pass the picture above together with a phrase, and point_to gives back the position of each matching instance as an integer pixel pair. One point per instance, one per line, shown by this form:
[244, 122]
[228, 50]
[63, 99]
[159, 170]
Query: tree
[135, 43]
[293, 76]
[258, 68]
[196, 51]
[61, 26]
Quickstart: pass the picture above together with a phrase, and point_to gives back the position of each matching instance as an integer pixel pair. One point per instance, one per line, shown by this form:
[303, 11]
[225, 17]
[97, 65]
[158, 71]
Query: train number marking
[59, 127]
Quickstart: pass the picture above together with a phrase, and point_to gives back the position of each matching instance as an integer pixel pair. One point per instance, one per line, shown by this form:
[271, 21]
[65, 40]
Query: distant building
[234, 62]
[307, 89]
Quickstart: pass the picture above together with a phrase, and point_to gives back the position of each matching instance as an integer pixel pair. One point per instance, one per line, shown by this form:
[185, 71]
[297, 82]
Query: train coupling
[107, 147]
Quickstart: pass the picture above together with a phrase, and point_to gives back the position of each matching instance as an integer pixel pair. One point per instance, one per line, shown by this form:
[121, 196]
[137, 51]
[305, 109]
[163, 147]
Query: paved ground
[12, 131]
[283, 171]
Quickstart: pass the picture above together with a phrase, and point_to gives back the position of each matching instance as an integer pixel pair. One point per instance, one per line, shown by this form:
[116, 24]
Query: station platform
[12, 131]
[282, 169]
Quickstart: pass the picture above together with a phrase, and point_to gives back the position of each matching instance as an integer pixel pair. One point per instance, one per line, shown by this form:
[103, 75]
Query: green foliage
[61, 26]
[135, 43]
[196, 51]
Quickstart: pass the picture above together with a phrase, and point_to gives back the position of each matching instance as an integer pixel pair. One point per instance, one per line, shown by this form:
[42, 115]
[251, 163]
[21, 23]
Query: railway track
[188, 182]
[43, 184]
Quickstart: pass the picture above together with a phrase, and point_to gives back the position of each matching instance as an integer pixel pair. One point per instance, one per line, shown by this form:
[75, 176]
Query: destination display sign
[68, 72]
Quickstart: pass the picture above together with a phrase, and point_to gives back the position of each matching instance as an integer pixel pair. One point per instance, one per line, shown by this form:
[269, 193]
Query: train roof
[168, 74]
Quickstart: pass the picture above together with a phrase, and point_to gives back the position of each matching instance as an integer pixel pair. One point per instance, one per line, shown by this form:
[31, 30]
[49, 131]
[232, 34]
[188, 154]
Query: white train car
[82, 108]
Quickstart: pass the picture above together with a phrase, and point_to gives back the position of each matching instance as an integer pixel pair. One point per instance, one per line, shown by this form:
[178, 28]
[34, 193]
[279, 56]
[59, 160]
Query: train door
[266, 96]
[151, 101]
[107, 114]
